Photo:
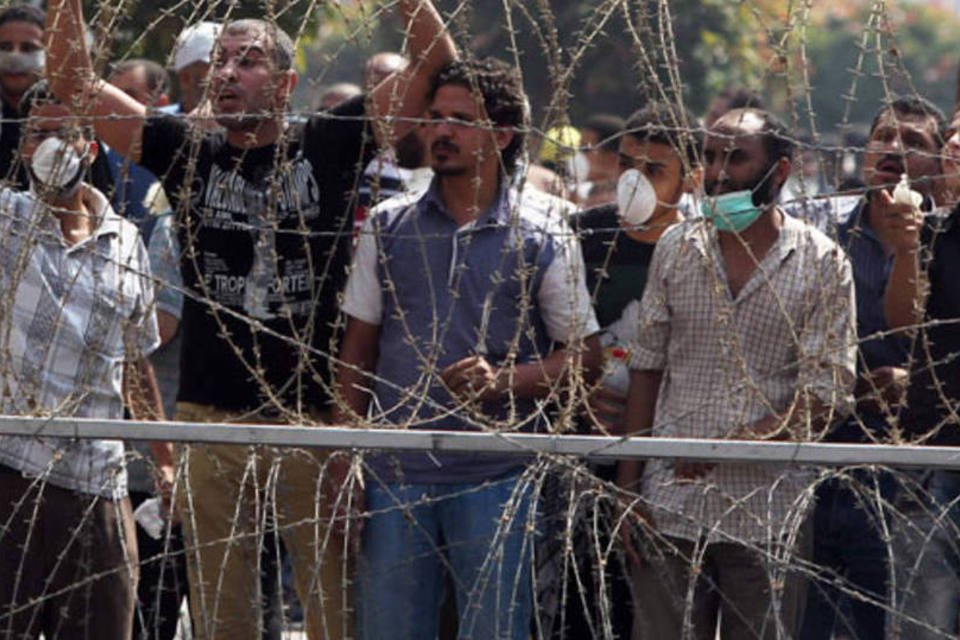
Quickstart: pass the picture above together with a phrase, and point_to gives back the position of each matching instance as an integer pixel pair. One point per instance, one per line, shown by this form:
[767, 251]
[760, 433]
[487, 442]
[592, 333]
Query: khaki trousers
[222, 506]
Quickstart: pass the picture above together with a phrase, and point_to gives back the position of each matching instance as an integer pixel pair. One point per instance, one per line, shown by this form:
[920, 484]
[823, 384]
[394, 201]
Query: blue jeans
[926, 587]
[480, 533]
[849, 554]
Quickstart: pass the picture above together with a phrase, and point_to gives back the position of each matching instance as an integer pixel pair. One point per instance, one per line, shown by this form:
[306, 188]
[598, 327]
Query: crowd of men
[396, 260]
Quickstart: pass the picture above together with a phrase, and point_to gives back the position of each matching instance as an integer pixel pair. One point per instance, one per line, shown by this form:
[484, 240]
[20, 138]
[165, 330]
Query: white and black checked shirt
[69, 317]
[728, 362]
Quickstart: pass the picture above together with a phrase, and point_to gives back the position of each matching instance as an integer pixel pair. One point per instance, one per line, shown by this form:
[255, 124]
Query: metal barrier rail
[588, 447]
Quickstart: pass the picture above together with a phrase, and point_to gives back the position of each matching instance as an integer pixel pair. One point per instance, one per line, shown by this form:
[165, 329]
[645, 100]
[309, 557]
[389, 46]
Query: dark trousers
[684, 588]
[925, 601]
[68, 562]
[163, 581]
[849, 556]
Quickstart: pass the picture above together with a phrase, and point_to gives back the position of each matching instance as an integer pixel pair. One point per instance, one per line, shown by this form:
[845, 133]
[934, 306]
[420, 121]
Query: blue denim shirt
[450, 292]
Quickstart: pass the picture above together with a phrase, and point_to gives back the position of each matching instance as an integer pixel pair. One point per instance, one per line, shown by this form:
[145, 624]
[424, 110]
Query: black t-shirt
[616, 264]
[934, 392]
[265, 237]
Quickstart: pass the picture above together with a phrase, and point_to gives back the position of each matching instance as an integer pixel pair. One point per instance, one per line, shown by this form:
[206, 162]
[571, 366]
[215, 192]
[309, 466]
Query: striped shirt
[71, 315]
[728, 362]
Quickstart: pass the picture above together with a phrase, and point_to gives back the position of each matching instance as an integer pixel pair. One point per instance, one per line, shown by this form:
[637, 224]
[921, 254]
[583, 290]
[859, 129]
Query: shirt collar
[704, 236]
[110, 222]
[497, 214]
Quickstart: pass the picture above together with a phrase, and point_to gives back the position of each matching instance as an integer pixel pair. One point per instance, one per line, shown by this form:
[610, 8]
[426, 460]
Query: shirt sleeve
[342, 141]
[142, 334]
[165, 145]
[362, 298]
[648, 352]
[828, 340]
[164, 255]
[563, 298]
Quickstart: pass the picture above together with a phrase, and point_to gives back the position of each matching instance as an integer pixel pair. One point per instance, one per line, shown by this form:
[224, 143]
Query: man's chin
[448, 170]
[238, 121]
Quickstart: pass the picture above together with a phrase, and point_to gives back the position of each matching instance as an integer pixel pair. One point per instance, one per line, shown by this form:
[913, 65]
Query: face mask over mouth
[636, 198]
[738, 210]
[26, 62]
[56, 169]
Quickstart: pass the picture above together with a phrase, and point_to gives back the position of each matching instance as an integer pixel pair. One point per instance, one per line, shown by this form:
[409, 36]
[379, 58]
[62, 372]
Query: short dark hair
[158, 81]
[739, 97]
[608, 128]
[670, 124]
[282, 48]
[500, 88]
[916, 107]
[22, 13]
[777, 141]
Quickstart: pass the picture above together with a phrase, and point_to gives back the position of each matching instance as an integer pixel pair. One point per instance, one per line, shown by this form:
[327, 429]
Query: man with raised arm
[922, 300]
[746, 331]
[265, 218]
[466, 308]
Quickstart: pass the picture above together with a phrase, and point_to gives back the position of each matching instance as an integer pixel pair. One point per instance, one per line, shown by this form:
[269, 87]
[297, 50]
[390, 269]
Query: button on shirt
[728, 362]
[503, 286]
[71, 316]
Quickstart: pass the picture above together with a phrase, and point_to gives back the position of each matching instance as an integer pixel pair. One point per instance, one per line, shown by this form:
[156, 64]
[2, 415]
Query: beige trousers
[222, 506]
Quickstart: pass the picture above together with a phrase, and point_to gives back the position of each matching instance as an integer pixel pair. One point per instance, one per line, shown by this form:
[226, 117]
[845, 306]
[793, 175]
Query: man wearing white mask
[745, 331]
[21, 63]
[77, 326]
[659, 161]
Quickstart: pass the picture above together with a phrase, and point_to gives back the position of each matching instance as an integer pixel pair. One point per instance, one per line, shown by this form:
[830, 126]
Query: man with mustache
[454, 305]
[264, 214]
[745, 332]
[904, 139]
[922, 299]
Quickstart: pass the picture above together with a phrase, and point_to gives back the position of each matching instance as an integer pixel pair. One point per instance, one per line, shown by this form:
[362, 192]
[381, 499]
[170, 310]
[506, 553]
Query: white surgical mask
[26, 62]
[578, 167]
[56, 168]
[636, 198]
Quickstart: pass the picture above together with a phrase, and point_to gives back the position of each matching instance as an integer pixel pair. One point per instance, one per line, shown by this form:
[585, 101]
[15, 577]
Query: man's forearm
[430, 46]
[68, 60]
[404, 94]
[903, 299]
[359, 351]
[640, 414]
[144, 402]
[555, 373]
[806, 416]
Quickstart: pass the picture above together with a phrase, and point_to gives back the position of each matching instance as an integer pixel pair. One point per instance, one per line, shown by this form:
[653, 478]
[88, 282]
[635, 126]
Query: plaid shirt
[71, 315]
[728, 362]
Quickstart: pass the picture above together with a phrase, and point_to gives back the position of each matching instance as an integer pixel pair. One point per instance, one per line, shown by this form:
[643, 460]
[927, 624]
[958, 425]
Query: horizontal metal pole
[590, 447]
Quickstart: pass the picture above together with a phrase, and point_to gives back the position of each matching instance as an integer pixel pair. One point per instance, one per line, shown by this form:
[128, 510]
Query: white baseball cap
[195, 44]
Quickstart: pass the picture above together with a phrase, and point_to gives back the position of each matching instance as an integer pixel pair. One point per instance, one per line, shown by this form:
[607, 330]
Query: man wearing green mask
[746, 331]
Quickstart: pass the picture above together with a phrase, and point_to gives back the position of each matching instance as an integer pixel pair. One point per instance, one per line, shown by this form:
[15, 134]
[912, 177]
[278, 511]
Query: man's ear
[782, 170]
[286, 83]
[693, 179]
[503, 137]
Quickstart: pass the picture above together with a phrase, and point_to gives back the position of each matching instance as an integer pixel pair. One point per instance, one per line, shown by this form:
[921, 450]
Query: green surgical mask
[733, 211]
